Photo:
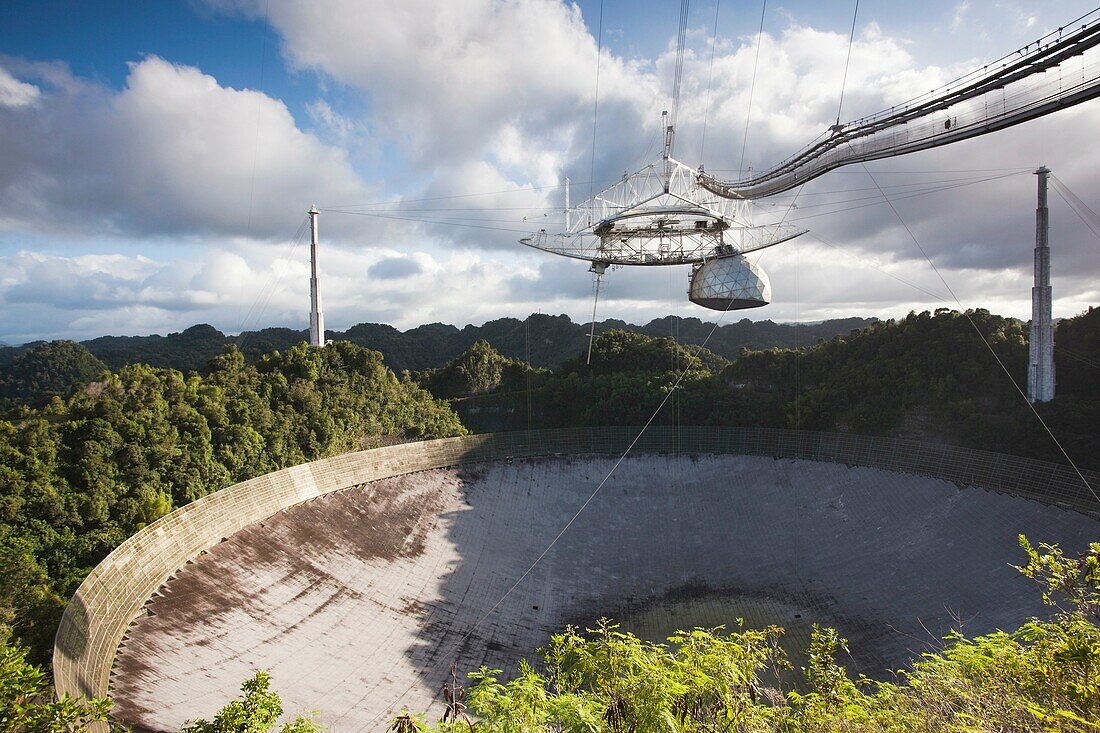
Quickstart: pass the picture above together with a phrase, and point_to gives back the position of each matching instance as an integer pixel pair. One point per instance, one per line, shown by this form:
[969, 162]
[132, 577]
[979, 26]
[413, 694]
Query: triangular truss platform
[659, 215]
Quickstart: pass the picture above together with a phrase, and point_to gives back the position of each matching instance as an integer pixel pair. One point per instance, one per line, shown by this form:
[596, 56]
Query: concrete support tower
[1040, 368]
[316, 316]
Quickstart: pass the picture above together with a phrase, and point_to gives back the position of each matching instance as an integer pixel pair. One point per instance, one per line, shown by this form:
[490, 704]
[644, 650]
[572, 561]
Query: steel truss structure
[659, 215]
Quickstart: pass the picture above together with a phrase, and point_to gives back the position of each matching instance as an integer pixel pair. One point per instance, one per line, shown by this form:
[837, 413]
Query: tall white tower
[316, 316]
[1040, 367]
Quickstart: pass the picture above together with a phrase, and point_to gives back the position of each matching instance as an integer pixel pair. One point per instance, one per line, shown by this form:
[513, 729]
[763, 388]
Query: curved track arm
[1024, 85]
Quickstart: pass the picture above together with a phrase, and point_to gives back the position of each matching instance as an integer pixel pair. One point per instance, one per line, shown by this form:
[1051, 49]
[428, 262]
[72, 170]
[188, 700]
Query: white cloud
[476, 96]
[15, 93]
[172, 153]
[959, 15]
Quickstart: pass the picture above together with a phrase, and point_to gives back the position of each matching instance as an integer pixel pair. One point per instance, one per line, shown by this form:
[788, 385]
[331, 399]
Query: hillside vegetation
[47, 370]
[630, 375]
[112, 451]
[544, 340]
[928, 376]
[478, 370]
[82, 474]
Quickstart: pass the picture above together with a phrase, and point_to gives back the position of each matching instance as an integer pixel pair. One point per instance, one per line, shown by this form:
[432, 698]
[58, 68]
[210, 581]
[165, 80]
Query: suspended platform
[661, 215]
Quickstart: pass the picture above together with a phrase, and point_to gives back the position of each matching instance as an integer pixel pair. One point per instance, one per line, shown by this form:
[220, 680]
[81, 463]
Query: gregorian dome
[729, 283]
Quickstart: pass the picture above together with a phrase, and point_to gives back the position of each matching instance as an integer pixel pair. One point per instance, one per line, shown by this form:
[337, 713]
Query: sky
[159, 158]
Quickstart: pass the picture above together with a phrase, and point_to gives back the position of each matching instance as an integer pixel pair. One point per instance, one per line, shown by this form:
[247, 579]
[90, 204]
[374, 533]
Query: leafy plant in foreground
[1043, 677]
[256, 711]
[27, 704]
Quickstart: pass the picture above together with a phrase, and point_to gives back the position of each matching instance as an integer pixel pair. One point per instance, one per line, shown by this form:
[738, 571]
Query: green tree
[27, 704]
[47, 370]
[255, 711]
[1041, 678]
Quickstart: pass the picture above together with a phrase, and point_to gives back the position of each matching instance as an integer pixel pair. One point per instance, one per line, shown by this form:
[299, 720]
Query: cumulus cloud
[445, 77]
[172, 153]
[480, 108]
[15, 93]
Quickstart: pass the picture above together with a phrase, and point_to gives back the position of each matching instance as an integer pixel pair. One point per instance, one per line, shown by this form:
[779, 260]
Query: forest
[928, 376]
[84, 472]
[543, 340]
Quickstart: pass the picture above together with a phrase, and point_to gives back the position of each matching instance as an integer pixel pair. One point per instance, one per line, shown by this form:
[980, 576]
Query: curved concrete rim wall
[113, 594]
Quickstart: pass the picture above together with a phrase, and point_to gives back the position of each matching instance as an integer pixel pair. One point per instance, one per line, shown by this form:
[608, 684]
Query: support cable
[425, 220]
[527, 356]
[259, 305]
[908, 195]
[710, 76]
[595, 302]
[1077, 356]
[350, 208]
[481, 619]
[928, 187]
[983, 338]
[601, 484]
[681, 51]
[847, 61]
[1076, 205]
[255, 141]
[937, 297]
[595, 104]
[797, 347]
[1069, 204]
[516, 189]
[875, 265]
[752, 90]
[477, 213]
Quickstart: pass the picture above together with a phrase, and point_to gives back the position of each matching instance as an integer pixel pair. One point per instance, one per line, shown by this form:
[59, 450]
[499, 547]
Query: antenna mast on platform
[316, 316]
[1040, 363]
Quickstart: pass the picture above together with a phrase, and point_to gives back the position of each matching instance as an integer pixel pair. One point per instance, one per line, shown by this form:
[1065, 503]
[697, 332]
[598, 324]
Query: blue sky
[161, 156]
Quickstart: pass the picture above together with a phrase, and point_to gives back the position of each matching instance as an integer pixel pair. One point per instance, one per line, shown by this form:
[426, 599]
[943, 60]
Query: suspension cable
[259, 305]
[1076, 205]
[595, 104]
[692, 356]
[752, 89]
[847, 60]
[527, 358]
[981, 335]
[681, 51]
[696, 356]
[255, 144]
[710, 76]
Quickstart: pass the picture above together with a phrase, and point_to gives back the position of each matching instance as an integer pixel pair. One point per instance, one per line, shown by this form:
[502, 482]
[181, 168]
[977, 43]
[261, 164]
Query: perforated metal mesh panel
[730, 283]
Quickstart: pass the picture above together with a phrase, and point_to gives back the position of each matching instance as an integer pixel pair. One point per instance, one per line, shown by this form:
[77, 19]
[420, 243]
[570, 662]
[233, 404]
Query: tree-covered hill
[186, 351]
[928, 376]
[47, 370]
[627, 380]
[478, 370]
[82, 474]
[544, 340]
